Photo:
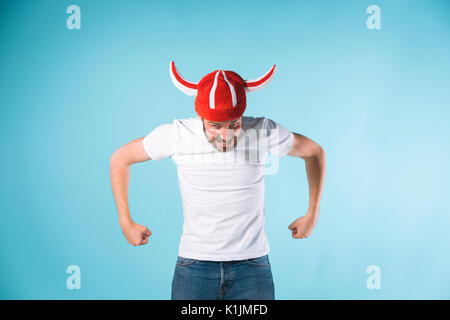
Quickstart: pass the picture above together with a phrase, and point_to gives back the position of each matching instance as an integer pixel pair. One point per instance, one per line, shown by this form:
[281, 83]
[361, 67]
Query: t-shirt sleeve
[279, 139]
[159, 143]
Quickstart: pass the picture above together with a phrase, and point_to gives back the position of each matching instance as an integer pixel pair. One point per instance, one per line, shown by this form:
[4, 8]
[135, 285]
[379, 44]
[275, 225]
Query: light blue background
[377, 101]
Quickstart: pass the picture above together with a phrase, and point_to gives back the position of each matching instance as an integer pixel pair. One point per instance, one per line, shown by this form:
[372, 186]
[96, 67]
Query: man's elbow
[321, 152]
[113, 159]
[317, 152]
[117, 159]
[129, 154]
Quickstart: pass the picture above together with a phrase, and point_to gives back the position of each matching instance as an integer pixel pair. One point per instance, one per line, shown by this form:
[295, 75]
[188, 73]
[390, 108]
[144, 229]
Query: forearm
[315, 171]
[120, 177]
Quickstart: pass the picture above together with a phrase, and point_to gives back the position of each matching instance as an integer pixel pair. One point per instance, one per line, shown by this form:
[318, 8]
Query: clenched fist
[303, 227]
[136, 234]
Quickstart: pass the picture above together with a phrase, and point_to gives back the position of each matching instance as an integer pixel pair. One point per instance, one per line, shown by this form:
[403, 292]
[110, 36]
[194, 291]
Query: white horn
[256, 84]
[187, 87]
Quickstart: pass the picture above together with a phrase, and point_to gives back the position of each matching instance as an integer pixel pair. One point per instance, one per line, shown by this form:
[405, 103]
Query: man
[220, 157]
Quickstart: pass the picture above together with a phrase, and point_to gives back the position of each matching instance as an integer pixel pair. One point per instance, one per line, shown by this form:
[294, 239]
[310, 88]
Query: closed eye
[232, 126]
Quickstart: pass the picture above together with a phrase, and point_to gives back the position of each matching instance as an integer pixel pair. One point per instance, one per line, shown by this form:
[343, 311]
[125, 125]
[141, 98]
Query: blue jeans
[249, 279]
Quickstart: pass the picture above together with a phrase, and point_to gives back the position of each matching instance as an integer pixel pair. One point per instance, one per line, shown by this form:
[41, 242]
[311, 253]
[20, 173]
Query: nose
[225, 133]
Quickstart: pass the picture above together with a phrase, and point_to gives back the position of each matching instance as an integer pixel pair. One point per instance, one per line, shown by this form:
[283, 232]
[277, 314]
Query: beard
[219, 144]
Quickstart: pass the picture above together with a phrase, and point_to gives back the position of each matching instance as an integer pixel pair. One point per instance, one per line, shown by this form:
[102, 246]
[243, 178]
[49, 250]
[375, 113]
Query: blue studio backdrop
[79, 79]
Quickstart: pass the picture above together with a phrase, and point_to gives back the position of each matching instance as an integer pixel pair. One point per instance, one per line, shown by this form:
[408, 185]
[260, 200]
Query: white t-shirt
[222, 192]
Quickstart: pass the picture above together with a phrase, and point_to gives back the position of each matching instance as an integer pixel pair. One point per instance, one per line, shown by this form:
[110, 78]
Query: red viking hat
[220, 95]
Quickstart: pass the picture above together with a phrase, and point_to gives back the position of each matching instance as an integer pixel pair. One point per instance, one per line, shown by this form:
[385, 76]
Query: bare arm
[315, 163]
[120, 163]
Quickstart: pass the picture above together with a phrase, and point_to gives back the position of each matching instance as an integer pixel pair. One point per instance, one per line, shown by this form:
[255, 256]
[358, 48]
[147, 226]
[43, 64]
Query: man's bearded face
[223, 134]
